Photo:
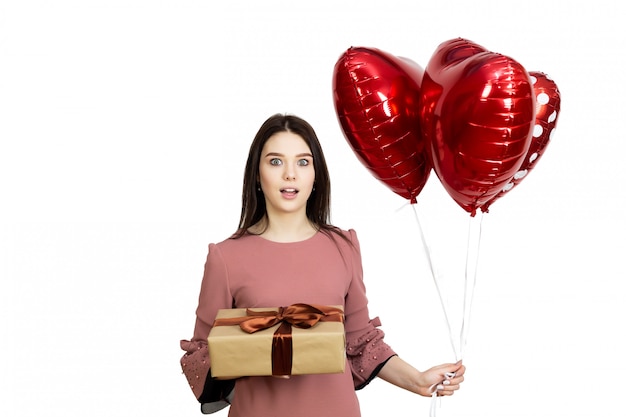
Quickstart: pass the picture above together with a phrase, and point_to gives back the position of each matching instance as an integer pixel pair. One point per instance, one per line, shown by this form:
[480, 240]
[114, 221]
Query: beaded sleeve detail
[195, 364]
[367, 354]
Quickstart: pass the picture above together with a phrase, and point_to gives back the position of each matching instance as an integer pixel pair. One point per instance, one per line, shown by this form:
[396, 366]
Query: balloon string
[436, 400]
[436, 281]
[471, 267]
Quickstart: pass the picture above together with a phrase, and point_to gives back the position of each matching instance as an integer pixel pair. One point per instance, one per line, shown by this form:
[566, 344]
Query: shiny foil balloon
[548, 101]
[478, 110]
[376, 97]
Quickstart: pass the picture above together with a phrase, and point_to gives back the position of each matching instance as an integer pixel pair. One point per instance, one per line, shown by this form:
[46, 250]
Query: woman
[285, 251]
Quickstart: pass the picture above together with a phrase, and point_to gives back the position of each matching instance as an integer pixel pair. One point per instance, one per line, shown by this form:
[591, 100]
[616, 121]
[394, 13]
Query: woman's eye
[303, 162]
[275, 161]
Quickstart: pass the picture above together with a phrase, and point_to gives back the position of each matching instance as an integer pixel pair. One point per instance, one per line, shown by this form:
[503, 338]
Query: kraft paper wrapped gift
[295, 340]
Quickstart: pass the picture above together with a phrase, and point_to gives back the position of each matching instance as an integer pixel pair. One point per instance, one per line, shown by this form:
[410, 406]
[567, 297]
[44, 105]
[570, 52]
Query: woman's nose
[289, 173]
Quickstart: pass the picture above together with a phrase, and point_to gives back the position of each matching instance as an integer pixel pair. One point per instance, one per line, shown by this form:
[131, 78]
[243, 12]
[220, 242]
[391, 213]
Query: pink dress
[254, 272]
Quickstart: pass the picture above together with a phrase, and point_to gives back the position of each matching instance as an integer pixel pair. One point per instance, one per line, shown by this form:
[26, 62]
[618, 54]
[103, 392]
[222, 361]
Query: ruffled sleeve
[214, 294]
[195, 363]
[366, 350]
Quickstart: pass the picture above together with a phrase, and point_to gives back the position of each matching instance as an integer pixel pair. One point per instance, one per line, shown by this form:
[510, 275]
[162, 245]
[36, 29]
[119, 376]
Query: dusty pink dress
[254, 272]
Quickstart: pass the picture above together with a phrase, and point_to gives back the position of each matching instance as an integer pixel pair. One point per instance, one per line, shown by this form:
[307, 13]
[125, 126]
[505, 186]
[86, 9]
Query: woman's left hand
[442, 379]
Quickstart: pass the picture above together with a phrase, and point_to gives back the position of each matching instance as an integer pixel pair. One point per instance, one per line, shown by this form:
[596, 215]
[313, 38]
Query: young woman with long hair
[286, 251]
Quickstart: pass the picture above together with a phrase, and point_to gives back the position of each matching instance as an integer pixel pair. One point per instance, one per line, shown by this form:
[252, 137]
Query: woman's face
[286, 174]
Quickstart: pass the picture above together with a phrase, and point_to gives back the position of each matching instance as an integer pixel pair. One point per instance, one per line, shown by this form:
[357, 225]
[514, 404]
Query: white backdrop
[124, 128]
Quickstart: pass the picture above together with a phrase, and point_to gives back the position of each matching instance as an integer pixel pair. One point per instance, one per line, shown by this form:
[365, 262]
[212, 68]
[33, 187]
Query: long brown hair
[253, 207]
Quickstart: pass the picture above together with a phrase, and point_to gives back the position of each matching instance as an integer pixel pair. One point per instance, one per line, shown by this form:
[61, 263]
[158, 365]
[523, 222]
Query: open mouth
[289, 190]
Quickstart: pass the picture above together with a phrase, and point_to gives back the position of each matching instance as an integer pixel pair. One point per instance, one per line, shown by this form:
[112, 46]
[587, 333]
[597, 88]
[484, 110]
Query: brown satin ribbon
[301, 315]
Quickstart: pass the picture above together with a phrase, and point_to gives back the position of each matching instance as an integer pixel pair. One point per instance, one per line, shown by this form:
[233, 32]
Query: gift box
[295, 340]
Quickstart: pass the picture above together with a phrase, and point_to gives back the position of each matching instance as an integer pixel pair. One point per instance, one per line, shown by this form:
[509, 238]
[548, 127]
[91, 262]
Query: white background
[124, 129]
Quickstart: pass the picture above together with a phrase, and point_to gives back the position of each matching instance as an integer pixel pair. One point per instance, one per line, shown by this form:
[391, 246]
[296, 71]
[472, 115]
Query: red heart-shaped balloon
[548, 101]
[376, 98]
[478, 110]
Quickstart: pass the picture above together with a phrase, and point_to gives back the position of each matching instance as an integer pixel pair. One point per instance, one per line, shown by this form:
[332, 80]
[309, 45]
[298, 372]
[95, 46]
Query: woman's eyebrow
[280, 154]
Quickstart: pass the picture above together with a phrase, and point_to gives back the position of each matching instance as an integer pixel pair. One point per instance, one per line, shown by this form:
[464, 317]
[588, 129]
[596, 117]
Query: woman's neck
[285, 229]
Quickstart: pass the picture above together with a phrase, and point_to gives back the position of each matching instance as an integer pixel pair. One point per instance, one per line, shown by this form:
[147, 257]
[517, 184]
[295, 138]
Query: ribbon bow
[303, 316]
